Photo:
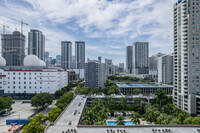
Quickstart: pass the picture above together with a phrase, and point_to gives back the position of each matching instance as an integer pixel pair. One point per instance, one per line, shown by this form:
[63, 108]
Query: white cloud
[120, 21]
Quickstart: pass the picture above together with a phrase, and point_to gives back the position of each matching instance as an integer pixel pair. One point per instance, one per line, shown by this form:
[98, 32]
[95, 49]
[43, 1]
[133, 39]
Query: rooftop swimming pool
[127, 123]
[112, 123]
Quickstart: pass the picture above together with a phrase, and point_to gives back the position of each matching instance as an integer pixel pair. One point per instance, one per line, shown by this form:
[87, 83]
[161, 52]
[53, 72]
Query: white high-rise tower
[186, 55]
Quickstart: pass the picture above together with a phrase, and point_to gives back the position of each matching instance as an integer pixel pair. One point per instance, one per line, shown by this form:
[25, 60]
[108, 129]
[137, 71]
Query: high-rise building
[186, 90]
[153, 66]
[95, 74]
[80, 54]
[129, 59]
[99, 59]
[141, 58]
[13, 48]
[121, 65]
[165, 69]
[66, 54]
[46, 55]
[73, 65]
[36, 43]
[109, 66]
[58, 59]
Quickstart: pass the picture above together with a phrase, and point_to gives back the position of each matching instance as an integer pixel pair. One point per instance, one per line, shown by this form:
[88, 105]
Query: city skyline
[108, 40]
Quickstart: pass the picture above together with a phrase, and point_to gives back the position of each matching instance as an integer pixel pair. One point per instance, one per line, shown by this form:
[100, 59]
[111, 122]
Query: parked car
[2, 112]
[6, 114]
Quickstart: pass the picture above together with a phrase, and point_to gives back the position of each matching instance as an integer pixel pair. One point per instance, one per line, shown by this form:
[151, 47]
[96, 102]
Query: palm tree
[120, 120]
[122, 103]
[137, 102]
[160, 96]
[89, 117]
[135, 118]
[111, 103]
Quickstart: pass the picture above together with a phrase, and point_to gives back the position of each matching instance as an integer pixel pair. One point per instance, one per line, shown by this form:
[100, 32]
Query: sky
[107, 26]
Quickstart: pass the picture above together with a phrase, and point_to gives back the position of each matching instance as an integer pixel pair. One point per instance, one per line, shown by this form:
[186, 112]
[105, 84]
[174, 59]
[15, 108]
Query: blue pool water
[111, 123]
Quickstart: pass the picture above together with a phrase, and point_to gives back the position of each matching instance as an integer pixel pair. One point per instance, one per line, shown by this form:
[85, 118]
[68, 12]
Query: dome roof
[42, 63]
[31, 60]
[2, 61]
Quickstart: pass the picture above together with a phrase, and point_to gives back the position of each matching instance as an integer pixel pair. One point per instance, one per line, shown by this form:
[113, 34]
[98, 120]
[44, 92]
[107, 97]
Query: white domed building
[32, 78]
[2, 61]
[33, 60]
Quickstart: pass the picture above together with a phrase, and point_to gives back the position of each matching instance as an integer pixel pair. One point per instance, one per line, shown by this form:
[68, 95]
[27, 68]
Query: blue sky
[107, 26]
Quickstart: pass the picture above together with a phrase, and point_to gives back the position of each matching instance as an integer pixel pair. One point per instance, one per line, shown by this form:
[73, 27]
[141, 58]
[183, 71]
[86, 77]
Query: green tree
[135, 119]
[164, 119]
[174, 121]
[40, 100]
[64, 100]
[111, 103]
[111, 91]
[88, 117]
[188, 121]
[181, 117]
[5, 103]
[136, 103]
[136, 91]
[59, 93]
[120, 120]
[149, 114]
[168, 109]
[96, 114]
[160, 96]
[53, 115]
[196, 121]
[108, 83]
[142, 107]
[122, 103]
[36, 125]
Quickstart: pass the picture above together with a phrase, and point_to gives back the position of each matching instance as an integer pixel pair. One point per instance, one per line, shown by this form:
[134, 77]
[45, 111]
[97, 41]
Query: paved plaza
[20, 110]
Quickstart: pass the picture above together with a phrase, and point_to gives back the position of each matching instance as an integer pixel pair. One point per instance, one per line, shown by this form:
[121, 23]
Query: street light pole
[18, 123]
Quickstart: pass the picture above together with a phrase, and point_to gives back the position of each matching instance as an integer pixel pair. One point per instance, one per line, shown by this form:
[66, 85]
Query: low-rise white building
[32, 79]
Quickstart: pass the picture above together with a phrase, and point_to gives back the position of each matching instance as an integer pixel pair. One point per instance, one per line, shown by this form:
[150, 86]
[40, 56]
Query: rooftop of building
[142, 85]
[25, 68]
[68, 121]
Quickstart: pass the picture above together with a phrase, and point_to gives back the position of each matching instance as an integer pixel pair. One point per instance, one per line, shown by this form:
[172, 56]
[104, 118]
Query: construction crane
[4, 26]
[21, 21]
